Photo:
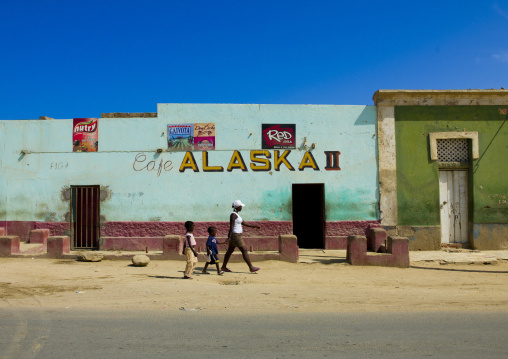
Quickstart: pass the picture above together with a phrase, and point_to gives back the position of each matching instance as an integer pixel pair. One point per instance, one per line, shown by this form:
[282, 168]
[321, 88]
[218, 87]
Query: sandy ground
[320, 285]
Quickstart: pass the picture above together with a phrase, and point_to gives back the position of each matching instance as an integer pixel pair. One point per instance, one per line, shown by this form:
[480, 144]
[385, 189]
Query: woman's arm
[232, 219]
[250, 225]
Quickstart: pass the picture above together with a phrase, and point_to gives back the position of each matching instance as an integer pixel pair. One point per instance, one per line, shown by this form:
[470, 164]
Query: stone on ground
[90, 257]
[140, 260]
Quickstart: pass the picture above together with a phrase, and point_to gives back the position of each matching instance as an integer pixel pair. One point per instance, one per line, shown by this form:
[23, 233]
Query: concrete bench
[9, 245]
[376, 241]
[39, 236]
[172, 248]
[58, 246]
[397, 252]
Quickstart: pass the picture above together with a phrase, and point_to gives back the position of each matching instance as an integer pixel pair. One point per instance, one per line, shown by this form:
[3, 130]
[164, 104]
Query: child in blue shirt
[212, 251]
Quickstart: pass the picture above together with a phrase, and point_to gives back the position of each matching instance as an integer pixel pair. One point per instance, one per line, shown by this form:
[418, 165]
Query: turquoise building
[304, 169]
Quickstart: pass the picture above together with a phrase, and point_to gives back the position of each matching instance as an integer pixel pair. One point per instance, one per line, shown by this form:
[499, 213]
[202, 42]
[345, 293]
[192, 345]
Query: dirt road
[278, 287]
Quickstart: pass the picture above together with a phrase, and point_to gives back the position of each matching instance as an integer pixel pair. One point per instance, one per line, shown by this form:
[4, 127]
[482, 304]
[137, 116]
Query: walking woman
[235, 237]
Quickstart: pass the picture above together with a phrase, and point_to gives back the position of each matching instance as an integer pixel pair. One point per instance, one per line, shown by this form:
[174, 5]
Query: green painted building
[443, 167]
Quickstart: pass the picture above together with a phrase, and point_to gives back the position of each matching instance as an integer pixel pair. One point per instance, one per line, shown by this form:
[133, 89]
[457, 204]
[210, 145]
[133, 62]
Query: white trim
[387, 156]
[433, 137]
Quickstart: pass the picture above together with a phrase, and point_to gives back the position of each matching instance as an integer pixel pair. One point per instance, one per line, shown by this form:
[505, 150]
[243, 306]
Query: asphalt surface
[43, 333]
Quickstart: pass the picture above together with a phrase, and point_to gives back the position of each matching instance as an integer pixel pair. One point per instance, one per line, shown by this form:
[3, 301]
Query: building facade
[311, 170]
[442, 166]
[427, 165]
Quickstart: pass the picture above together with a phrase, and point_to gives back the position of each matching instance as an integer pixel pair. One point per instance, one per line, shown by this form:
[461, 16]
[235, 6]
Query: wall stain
[51, 217]
[105, 193]
[65, 194]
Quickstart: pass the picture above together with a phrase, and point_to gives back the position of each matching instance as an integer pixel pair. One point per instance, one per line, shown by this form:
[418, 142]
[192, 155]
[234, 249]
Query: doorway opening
[309, 215]
[85, 213]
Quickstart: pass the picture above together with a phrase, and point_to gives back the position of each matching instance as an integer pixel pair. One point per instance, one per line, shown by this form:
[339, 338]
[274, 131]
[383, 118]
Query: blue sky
[69, 59]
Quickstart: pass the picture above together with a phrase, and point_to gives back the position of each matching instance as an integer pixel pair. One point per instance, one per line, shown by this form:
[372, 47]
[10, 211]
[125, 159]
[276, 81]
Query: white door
[453, 202]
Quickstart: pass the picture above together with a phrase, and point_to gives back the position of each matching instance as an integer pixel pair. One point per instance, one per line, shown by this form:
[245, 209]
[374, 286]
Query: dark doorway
[85, 217]
[309, 214]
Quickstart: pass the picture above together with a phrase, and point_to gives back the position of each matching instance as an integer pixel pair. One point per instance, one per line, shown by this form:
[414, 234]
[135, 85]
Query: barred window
[452, 150]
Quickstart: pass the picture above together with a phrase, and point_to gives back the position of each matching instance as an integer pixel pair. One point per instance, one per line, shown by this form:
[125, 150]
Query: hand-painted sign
[260, 161]
[277, 136]
[85, 135]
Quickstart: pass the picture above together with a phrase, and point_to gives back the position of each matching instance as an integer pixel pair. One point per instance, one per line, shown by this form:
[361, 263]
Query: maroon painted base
[18, 228]
[137, 236]
[397, 252]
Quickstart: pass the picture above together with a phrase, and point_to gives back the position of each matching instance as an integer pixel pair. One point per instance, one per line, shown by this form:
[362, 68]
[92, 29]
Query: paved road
[199, 334]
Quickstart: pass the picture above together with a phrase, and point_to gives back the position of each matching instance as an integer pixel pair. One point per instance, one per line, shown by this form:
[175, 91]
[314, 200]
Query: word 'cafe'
[261, 160]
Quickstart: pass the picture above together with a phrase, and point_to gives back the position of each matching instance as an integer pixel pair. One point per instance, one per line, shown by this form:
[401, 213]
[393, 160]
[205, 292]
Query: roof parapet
[440, 97]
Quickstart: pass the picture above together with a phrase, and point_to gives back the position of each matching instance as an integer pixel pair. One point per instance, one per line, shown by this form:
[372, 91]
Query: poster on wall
[181, 137]
[85, 135]
[278, 136]
[204, 136]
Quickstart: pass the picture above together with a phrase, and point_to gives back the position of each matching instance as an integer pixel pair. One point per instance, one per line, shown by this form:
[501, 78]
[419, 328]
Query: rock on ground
[140, 260]
[90, 257]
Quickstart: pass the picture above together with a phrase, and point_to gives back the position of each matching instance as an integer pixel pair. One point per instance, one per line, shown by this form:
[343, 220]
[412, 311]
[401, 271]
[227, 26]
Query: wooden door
[454, 206]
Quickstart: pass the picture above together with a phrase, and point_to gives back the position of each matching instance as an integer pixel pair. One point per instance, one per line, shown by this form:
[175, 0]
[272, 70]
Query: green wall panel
[418, 176]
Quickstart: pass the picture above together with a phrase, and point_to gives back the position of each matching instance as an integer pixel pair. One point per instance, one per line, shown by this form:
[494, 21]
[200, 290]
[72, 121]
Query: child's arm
[191, 247]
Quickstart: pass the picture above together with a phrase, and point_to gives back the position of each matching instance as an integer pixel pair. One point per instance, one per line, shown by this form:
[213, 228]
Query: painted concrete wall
[140, 185]
[418, 175]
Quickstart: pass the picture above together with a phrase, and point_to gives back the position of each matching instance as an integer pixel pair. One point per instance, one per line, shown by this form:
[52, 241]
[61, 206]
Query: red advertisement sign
[278, 136]
[85, 135]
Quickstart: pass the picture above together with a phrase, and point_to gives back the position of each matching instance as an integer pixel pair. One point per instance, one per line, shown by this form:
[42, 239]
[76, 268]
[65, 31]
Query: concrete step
[31, 248]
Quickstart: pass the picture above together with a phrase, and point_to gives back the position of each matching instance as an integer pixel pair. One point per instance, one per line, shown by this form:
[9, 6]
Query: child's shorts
[213, 258]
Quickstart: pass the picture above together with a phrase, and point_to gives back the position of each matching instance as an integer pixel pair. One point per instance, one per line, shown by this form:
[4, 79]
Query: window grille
[453, 150]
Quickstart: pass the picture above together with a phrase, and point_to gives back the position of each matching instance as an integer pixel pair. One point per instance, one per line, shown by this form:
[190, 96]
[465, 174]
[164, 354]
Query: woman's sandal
[226, 270]
[255, 269]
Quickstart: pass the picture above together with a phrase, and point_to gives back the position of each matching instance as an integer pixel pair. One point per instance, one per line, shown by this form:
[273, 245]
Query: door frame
[456, 231]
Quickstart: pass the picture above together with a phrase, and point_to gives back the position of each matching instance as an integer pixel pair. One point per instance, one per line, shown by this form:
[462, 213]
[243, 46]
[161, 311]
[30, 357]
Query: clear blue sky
[70, 58]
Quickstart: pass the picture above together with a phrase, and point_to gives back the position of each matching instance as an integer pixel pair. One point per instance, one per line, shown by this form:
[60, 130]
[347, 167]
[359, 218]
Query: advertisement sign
[181, 137]
[204, 136]
[278, 136]
[191, 137]
[85, 135]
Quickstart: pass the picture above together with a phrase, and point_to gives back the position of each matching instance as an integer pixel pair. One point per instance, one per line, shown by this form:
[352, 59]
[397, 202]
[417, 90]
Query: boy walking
[188, 249]
[212, 251]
